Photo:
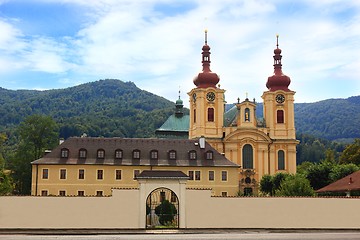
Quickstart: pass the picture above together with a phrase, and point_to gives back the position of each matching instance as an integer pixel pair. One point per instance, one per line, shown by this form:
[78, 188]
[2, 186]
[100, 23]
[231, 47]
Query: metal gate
[162, 209]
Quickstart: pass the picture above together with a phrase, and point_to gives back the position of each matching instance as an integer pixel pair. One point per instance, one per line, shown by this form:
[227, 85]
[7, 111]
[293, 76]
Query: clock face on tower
[210, 96]
[280, 98]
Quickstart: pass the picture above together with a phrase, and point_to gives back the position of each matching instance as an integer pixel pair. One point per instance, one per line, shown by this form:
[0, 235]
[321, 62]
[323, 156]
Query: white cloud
[158, 50]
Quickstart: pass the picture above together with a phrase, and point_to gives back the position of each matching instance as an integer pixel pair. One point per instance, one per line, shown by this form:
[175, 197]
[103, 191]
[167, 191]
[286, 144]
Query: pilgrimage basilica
[258, 146]
[226, 151]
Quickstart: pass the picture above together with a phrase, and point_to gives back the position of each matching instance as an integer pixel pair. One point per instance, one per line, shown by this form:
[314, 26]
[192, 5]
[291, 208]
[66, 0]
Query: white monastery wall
[121, 211]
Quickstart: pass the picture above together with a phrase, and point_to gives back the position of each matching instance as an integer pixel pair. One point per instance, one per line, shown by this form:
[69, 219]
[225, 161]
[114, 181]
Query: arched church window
[210, 114]
[281, 160]
[247, 115]
[280, 116]
[194, 115]
[247, 155]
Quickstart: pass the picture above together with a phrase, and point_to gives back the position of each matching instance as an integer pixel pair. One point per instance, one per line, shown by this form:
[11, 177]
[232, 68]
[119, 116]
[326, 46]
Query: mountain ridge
[112, 107]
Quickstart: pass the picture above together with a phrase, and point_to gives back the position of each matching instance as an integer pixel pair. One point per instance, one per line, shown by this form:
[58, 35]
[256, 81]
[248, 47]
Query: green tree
[319, 174]
[342, 170]
[36, 134]
[351, 154]
[166, 212]
[5, 180]
[266, 185]
[277, 179]
[295, 185]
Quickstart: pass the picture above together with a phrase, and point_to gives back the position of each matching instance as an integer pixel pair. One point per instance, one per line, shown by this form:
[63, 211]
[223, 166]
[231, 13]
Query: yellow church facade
[228, 151]
[258, 146]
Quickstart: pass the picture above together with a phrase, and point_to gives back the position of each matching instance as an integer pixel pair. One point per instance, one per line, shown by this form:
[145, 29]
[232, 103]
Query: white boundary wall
[121, 211]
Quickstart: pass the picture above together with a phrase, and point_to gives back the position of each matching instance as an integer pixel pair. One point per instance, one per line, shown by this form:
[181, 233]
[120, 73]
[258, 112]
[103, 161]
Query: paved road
[217, 236]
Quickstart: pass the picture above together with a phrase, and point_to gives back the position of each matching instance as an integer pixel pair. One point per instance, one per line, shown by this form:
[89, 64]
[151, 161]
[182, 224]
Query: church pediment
[241, 134]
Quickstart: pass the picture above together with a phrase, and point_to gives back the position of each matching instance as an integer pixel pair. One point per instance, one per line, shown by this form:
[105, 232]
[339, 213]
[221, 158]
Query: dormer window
[101, 154]
[64, 153]
[82, 153]
[154, 155]
[118, 154]
[172, 155]
[192, 155]
[136, 154]
[209, 155]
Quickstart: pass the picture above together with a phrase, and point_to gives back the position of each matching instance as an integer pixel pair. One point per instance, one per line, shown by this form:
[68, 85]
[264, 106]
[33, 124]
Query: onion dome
[278, 81]
[179, 107]
[206, 78]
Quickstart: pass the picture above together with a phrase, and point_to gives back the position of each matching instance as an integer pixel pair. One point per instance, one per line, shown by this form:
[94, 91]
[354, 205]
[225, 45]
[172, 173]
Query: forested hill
[112, 108]
[103, 108]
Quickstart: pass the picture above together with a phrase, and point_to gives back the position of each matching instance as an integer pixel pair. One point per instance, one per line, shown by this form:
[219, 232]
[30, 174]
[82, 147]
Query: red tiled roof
[348, 183]
[127, 145]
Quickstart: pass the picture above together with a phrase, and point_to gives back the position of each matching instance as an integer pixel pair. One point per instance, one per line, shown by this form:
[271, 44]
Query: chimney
[202, 142]
[61, 140]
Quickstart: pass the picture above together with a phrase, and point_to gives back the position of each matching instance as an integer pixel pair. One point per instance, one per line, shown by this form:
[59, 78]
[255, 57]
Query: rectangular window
[81, 193]
[64, 153]
[209, 155]
[191, 175]
[210, 114]
[44, 193]
[211, 175]
[197, 175]
[154, 155]
[172, 155]
[118, 154]
[101, 154]
[194, 115]
[224, 194]
[280, 116]
[99, 193]
[82, 153]
[136, 173]
[81, 174]
[100, 174]
[223, 176]
[62, 193]
[192, 155]
[45, 173]
[136, 154]
[118, 174]
[62, 173]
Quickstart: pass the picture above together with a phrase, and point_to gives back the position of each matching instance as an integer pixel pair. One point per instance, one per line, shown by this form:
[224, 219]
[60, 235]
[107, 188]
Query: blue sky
[50, 44]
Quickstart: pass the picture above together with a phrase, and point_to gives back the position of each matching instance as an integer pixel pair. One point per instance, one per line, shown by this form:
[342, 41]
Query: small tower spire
[205, 36]
[278, 81]
[206, 78]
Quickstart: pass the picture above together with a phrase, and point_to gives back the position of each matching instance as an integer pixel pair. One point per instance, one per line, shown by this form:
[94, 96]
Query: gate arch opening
[162, 209]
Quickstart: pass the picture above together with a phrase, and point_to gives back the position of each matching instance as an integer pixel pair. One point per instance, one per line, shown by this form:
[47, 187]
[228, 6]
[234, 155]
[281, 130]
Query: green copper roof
[178, 124]
[230, 116]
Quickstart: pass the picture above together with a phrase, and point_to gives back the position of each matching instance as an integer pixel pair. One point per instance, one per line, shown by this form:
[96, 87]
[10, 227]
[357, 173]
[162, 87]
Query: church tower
[206, 102]
[279, 115]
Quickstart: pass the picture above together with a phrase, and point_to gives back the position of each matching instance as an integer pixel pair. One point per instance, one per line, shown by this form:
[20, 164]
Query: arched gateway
[162, 209]
[162, 198]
